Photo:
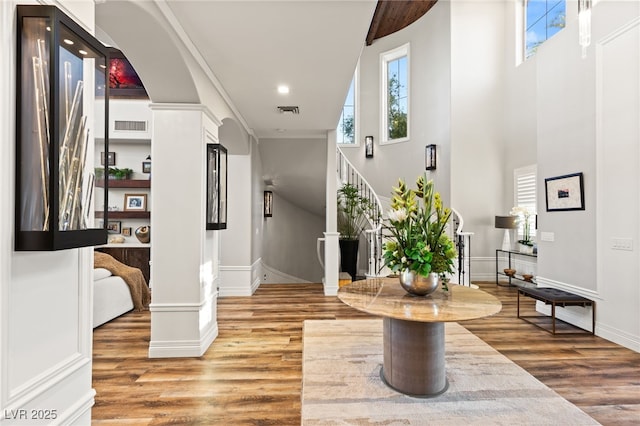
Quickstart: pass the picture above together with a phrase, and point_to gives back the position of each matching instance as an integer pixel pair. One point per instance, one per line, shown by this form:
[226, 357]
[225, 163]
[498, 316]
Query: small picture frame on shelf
[126, 231]
[113, 226]
[135, 202]
[108, 157]
[146, 167]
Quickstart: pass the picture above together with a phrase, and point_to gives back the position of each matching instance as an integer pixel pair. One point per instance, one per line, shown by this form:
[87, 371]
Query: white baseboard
[188, 317]
[80, 413]
[581, 317]
[329, 290]
[183, 348]
[236, 281]
[273, 276]
[618, 336]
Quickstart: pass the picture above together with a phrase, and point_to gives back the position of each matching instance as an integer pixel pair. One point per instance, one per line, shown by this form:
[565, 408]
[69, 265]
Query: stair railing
[347, 173]
[462, 241]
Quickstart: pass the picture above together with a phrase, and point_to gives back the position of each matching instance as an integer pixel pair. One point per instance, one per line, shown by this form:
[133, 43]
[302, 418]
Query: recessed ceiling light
[67, 41]
[283, 90]
[82, 52]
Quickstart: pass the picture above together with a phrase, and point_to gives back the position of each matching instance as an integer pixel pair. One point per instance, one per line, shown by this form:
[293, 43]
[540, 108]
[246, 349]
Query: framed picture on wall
[565, 192]
[108, 158]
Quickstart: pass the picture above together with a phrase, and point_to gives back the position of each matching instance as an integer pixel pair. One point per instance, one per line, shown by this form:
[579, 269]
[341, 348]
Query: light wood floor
[251, 374]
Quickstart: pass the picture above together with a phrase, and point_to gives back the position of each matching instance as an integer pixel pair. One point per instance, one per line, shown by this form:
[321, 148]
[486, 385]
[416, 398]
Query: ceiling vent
[289, 110]
[130, 126]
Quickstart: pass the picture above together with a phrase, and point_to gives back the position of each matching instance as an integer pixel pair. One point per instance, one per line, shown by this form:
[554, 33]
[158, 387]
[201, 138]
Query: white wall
[581, 115]
[477, 51]
[257, 199]
[429, 39]
[239, 272]
[183, 308]
[290, 241]
[45, 297]
[457, 102]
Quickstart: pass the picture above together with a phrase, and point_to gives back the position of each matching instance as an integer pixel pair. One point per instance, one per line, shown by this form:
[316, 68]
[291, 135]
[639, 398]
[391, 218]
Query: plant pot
[525, 249]
[418, 285]
[349, 257]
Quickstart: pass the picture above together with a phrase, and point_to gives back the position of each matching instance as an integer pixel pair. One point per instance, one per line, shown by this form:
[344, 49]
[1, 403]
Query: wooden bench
[556, 297]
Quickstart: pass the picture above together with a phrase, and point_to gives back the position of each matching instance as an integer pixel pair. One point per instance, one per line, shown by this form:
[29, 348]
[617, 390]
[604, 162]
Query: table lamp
[508, 223]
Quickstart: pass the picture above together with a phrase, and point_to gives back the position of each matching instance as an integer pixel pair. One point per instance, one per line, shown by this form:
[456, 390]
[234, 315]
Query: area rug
[341, 383]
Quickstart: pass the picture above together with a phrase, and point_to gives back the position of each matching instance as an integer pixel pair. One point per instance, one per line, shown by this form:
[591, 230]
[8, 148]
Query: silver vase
[418, 285]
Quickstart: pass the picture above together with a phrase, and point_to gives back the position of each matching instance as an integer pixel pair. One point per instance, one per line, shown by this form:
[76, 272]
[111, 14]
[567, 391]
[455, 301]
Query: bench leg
[518, 309]
[553, 317]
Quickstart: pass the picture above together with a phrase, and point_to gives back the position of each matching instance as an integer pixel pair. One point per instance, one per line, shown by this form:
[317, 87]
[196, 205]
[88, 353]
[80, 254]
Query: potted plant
[524, 215]
[116, 173]
[419, 249]
[353, 212]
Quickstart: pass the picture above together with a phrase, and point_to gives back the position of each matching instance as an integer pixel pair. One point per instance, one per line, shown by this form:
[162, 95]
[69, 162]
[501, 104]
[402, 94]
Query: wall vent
[289, 110]
[131, 126]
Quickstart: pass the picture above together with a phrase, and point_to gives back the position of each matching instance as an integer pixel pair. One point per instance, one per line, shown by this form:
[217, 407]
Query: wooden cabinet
[137, 257]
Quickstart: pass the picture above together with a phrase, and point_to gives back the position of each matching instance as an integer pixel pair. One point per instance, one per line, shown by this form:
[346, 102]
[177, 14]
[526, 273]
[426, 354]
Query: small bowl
[528, 277]
[510, 272]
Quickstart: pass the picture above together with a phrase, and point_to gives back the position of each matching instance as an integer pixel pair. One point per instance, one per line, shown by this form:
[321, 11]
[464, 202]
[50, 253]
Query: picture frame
[565, 192]
[368, 146]
[114, 226]
[126, 231]
[108, 157]
[135, 202]
[146, 167]
[124, 81]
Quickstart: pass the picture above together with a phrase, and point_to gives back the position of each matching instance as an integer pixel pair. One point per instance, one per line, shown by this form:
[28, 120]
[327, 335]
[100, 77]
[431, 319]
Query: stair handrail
[463, 245]
[346, 168]
[347, 173]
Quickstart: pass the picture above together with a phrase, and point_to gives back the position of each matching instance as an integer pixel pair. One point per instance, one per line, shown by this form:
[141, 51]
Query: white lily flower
[399, 215]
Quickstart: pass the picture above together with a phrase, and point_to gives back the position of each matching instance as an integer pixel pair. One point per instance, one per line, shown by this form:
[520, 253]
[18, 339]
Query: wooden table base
[414, 361]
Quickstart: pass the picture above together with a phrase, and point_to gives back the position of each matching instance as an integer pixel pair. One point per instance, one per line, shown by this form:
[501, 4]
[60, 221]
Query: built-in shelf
[125, 215]
[126, 183]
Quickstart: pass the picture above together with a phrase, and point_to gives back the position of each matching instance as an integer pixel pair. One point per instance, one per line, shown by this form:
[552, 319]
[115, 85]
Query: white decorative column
[184, 254]
[331, 236]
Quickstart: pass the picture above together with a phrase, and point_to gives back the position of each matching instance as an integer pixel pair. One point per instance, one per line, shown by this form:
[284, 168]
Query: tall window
[543, 18]
[395, 95]
[525, 193]
[346, 132]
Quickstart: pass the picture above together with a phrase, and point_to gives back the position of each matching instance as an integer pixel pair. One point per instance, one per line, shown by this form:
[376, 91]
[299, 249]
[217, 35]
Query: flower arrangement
[524, 215]
[416, 221]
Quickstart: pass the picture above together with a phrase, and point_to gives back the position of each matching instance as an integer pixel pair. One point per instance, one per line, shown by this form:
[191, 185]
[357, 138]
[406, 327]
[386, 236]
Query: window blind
[525, 193]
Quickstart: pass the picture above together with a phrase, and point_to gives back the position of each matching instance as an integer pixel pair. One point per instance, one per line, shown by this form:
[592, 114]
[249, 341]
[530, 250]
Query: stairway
[347, 173]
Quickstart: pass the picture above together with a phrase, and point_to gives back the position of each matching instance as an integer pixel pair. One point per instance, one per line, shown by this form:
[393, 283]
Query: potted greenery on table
[353, 212]
[419, 249]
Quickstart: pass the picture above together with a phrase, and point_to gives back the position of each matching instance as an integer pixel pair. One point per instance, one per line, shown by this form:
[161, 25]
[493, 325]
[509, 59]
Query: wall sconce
[430, 157]
[368, 146]
[508, 223]
[216, 187]
[584, 25]
[268, 204]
